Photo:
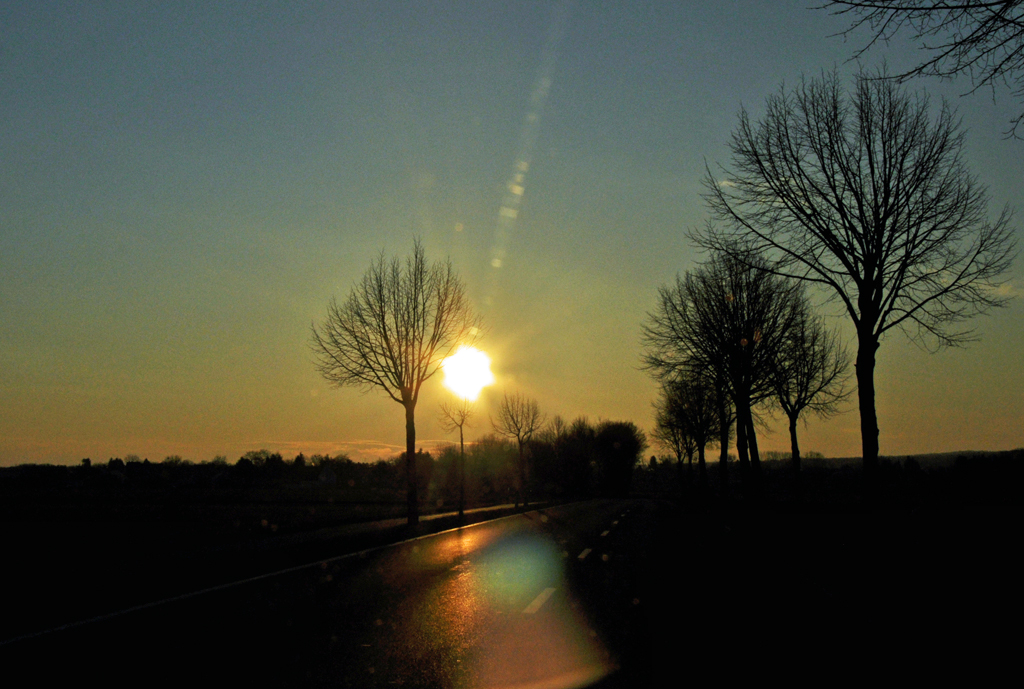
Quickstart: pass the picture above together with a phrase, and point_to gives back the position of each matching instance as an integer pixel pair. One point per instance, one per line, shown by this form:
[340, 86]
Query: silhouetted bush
[245, 469]
[619, 445]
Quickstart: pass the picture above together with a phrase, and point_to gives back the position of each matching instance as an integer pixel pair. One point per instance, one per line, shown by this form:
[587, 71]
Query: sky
[185, 186]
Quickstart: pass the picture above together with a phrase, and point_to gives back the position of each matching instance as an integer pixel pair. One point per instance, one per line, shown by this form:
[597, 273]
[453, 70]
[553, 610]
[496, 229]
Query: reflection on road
[507, 603]
[497, 612]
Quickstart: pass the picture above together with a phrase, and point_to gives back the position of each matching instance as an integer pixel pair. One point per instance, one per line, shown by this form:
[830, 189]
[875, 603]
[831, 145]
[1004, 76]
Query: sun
[467, 372]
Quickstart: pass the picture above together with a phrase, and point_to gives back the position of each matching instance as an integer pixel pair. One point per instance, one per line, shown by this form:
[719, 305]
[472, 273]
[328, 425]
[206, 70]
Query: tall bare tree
[983, 40]
[519, 418]
[394, 330]
[456, 415]
[867, 196]
[809, 374]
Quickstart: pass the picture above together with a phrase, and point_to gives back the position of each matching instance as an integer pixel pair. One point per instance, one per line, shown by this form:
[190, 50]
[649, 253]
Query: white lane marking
[538, 601]
[604, 533]
[615, 522]
[583, 555]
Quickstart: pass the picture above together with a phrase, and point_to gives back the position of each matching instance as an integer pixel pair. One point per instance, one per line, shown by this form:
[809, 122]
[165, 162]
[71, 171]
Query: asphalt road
[606, 593]
[544, 599]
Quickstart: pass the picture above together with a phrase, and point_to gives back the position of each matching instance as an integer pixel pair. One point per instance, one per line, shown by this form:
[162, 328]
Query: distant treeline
[565, 461]
[949, 480]
[576, 460]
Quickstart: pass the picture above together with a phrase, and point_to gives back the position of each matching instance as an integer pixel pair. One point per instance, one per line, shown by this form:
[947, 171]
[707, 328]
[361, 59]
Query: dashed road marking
[538, 602]
[615, 523]
[604, 533]
[583, 555]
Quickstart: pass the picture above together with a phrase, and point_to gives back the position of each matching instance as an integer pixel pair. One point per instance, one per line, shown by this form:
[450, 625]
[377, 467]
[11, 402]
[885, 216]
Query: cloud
[1007, 289]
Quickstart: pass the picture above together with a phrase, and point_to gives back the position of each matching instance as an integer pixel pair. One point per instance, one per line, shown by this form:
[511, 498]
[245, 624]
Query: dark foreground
[607, 593]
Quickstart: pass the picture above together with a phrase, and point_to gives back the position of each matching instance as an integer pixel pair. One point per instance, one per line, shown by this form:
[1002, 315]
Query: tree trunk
[679, 474]
[755, 456]
[865, 365]
[689, 472]
[462, 475]
[522, 479]
[795, 456]
[723, 461]
[702, 472]
[410, 464]
[741, 447]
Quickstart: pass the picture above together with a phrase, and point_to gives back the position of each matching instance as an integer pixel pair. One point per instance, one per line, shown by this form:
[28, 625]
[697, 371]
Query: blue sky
[184, 186]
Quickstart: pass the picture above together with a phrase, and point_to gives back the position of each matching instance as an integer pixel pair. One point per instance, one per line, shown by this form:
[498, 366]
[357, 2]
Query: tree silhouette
[686, 418]
[866, 196]
[455, 415]
[984, 40]
[728, 317]
[676, 344]
[574, 452]
[619, 447]
[394, 330]
[809, 373]
[519, 418]
[671, 431]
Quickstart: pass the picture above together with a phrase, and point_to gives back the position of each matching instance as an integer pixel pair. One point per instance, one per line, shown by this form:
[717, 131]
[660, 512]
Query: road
[605, 593]
[548, 598]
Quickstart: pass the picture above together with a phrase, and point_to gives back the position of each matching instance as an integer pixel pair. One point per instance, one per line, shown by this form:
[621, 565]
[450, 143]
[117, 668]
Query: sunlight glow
[467, 372]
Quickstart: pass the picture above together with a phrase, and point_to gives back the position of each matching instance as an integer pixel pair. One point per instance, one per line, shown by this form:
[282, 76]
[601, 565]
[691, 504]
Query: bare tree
[868, 197]
[519, 418]
[456, 415]
[686, 418]
[727, 317]
[675, 345]
[671, 432]
[394, 330]
[809, 374]
[558, 428]
[984, 40]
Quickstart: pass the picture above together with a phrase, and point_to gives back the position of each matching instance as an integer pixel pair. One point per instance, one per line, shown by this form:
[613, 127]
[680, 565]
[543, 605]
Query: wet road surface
[542, 599]
[605, 593]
